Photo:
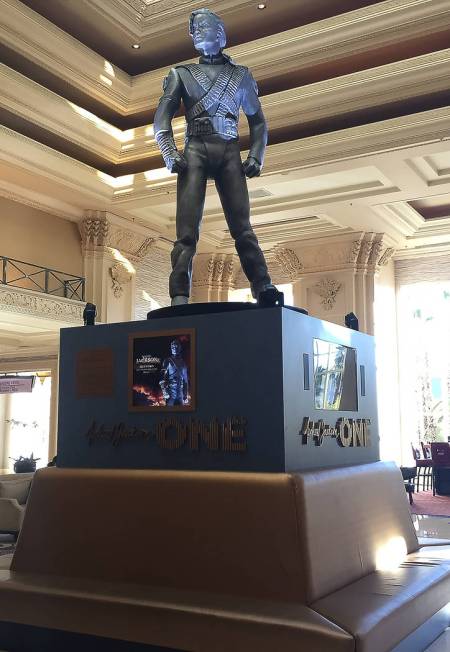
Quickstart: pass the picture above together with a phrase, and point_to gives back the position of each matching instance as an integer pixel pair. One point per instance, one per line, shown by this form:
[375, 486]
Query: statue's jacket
[212, 96]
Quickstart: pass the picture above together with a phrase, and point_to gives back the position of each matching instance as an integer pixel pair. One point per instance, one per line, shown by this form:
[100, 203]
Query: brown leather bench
[215, 562]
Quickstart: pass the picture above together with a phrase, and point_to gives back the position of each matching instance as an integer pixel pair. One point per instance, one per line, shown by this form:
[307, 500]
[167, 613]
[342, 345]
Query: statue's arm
[258, 127]
[167, 107]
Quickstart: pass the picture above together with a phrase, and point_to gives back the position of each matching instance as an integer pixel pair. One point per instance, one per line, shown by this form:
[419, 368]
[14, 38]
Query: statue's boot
[179, 300]
[269, 296]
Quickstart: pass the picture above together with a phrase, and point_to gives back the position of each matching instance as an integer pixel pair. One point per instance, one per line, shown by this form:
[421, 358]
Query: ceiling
[355, 94]
[110, 27]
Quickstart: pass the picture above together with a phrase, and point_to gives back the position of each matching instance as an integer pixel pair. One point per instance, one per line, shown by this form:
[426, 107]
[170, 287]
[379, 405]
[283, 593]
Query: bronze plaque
[94, 373]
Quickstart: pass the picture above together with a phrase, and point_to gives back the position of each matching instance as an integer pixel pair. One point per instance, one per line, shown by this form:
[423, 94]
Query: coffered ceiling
[355, 94]
[160, 27]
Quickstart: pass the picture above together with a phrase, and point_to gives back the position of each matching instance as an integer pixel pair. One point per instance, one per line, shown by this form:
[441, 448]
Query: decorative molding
[31, 303]
[357, 91]
[327, 288]
[387, 136]
[386, 256]
[38, 201]
[215, 271]
[365, 251]
[377, 26]
[55, 169]
[289, 262]
[145, 19]
[94, 232]
[375, 253]
[120, 276]
[349, 253]
[152, 281]
[100, 231]
[424, 251]
[354, 253]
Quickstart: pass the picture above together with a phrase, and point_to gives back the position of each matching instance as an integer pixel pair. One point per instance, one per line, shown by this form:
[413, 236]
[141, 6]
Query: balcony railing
[41, 279]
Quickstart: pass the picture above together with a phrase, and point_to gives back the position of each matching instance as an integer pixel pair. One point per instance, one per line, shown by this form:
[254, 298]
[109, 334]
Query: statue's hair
[219, 21]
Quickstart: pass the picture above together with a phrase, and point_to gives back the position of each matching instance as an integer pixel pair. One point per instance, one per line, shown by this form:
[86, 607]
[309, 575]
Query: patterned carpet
[426, 503]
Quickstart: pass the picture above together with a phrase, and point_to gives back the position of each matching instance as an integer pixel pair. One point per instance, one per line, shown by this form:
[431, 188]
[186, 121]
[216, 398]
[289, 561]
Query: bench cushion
[348, 515]
[184, 620]
[383, 608]
[230, 533]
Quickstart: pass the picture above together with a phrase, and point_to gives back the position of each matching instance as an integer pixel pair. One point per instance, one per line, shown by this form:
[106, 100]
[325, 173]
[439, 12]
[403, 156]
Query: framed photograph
[161, 371]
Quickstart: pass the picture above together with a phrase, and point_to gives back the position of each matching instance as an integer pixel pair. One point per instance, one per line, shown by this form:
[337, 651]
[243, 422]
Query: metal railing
[27, 276]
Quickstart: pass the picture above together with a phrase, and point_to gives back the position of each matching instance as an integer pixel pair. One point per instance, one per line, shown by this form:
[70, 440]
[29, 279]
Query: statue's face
[205, 34]
[175, 347]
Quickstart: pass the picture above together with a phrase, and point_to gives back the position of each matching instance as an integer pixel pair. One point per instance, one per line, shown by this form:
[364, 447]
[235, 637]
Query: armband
[167, 147]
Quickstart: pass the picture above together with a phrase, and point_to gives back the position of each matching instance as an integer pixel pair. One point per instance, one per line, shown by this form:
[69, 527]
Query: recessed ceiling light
[262, 5]
[135, 46]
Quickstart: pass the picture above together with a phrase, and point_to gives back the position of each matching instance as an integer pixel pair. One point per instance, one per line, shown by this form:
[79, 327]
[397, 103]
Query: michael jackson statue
[213, 91]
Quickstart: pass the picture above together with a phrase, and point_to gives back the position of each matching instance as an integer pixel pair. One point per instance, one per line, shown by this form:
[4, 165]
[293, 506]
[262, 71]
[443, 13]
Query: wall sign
[16, 384]
[172, 433]
[347, 432]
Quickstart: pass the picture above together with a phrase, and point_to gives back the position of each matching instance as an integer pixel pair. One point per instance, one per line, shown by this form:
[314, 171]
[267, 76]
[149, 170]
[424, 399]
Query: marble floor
[434, 527]
[431, 527]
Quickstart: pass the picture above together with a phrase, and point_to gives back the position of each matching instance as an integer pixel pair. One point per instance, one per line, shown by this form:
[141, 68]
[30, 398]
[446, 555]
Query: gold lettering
[345, 432]
[195, 428]
[213, 434]
[367, 432]
[238, 433]
[208, 433]
[162, 436]
[359, 432]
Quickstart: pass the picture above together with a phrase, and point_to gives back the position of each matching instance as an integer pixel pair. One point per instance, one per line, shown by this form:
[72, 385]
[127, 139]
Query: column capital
[105, 232]
[214, 276]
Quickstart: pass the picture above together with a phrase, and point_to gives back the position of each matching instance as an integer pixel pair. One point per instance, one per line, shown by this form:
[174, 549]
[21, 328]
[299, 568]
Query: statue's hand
[179, 163]
[251, 167]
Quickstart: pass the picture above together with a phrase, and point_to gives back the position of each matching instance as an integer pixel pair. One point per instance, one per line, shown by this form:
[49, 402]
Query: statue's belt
[208, 126]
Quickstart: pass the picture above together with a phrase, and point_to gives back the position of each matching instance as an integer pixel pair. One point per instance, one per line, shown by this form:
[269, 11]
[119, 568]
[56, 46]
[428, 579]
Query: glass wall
[26, 422]
[424, 356]
[246, 295]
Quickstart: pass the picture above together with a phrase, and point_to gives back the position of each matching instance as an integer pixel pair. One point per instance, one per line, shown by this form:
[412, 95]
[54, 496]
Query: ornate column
[112, 247]
[331, 276]
[338, 276]
[213, 277]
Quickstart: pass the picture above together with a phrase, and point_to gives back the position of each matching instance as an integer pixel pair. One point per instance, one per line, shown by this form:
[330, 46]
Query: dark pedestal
[255, 405]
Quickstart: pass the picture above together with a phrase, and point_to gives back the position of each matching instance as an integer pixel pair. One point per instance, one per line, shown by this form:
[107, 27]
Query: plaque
[94, 373]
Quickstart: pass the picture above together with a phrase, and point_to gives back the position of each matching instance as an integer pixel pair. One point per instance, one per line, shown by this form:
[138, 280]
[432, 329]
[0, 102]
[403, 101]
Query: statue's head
[207, 31]
[175, 347]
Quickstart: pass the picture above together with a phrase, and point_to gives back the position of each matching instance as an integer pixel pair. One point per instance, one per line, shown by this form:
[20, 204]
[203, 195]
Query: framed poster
[161, 371]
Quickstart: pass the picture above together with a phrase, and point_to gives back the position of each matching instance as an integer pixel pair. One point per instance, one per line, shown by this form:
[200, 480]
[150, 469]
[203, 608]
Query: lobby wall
[33, 236]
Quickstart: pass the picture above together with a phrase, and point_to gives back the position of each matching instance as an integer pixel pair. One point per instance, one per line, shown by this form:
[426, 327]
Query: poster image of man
[174, 381]
[162, 371]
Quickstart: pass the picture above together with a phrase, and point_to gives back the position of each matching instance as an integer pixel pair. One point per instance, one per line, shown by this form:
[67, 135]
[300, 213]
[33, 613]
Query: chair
[409, 474]
[440, 458]
[426, 450]
[14, 490]
[424, 465]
